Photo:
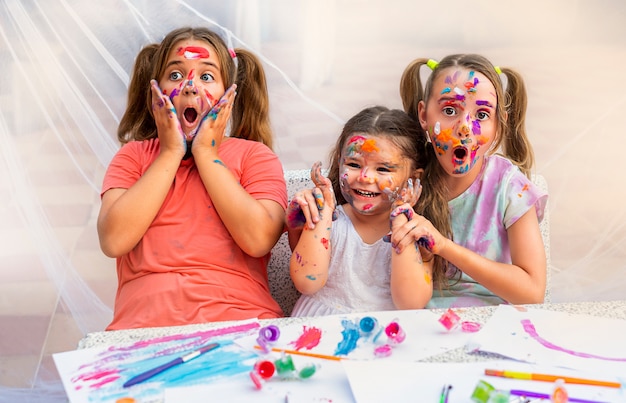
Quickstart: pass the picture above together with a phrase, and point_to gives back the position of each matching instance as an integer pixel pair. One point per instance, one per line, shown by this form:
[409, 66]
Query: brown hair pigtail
[250, 118]
[137, 122]
[517, 147]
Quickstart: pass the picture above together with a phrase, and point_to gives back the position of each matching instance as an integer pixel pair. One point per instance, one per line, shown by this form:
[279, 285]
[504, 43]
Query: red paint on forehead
[193, 52]
[355, 138]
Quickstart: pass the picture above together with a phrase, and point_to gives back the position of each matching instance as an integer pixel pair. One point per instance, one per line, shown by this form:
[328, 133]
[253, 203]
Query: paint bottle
[284, 366]
[370, 328]
[267, 336]
[449, 319]
[559, 393]
[395, 333]
[482, 392]
[307, 372]
[262, 371]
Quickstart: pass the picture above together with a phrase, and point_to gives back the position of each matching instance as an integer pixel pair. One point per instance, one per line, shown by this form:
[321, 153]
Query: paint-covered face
[372, 173]
[461, 118]
[193, 81]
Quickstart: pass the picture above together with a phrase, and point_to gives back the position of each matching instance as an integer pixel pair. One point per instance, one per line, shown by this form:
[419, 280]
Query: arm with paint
[126, 214]
[306, 206]
[522, 282]
[255, 225]
[310, 259]
[411, 276]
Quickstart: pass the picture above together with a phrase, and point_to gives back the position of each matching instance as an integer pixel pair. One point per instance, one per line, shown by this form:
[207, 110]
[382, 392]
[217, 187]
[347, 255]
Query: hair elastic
[432, 64]
[232, 53]
[497, 69]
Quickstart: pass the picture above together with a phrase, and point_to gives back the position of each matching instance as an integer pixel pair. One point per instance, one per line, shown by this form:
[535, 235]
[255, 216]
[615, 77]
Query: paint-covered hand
[212, 127]
[409, 228]
[409, 194]
[308, 206]
[169, 130]
[323, 189]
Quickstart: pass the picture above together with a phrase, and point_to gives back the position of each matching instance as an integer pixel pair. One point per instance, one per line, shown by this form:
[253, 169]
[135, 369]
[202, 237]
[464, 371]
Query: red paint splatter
[308, 339]
[326, 243]
[193, 52]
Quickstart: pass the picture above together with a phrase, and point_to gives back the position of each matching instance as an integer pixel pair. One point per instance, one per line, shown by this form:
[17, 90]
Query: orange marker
[549, 378]
[304, 353]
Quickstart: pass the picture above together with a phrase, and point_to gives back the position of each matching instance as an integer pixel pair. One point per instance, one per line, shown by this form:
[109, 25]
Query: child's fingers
[413, 233]
[218, 115]
[316, 174]
[165, 117]
[224, 105]
[312, 211]
[404, 209]
[295, 218]
[302, 211]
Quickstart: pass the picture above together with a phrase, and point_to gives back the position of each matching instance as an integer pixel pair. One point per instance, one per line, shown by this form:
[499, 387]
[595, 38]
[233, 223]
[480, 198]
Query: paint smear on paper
[532, 332]
[309, 338]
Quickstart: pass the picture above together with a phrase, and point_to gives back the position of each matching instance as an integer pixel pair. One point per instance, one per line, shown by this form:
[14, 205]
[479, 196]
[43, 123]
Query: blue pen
[536, 395]
[176, 361]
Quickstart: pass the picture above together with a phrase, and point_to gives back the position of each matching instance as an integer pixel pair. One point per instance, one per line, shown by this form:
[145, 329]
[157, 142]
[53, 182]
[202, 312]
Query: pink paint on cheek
[212, 100]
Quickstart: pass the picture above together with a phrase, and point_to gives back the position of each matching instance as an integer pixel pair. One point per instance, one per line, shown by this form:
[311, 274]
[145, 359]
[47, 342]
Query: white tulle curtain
[65, 67]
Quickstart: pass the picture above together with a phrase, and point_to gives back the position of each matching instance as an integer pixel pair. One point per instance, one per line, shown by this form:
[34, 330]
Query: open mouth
[190, 115]
[460, 153]
[365, 194]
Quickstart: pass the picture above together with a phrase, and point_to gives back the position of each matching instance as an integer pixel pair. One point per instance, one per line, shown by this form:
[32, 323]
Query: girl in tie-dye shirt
[493, 246]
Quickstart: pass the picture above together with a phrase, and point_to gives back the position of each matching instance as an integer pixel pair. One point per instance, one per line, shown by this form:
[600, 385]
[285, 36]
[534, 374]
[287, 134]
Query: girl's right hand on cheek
[308, 206]
[170, 132]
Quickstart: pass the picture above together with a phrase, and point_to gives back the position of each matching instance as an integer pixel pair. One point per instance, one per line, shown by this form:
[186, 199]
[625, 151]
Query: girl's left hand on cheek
[411, 193]
[212, 127]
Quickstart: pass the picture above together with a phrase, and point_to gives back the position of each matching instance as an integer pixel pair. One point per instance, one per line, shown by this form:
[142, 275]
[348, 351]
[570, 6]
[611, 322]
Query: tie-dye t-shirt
[480, 218]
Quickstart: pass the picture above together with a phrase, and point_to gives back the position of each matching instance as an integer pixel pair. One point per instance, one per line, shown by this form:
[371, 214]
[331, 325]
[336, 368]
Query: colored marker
[144, 376]
[550, 378]
[536, 395]
[445, 393]
[304, 353]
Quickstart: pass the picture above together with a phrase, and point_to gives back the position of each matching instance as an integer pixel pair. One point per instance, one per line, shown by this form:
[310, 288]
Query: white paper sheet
[328, 384]
[387, 381]
[425, 336]
[98, 374]
[555, 338]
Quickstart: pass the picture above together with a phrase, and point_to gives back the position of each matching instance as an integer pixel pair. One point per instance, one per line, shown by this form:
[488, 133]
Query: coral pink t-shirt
[187, 268]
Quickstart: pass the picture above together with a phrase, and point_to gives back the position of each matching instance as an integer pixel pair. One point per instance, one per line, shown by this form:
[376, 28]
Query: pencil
[550, 378]
[303, 353]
